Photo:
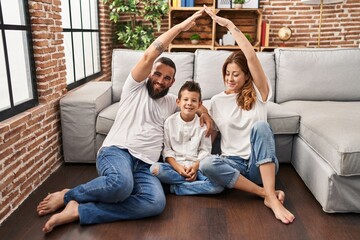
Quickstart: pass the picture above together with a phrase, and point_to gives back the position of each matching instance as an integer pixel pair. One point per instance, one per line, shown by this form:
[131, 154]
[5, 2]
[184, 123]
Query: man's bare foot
[69, 214]
[279, 210]
[51, 203]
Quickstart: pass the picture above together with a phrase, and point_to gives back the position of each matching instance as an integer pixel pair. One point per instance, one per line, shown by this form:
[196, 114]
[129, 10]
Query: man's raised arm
[143, 68]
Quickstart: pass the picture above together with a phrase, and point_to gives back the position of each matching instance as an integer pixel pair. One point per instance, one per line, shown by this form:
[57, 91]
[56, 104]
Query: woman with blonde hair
[248, 159]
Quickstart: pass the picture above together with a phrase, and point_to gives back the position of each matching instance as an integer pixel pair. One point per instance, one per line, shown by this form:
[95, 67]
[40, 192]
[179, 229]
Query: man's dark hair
[191, 86]
[167, 61]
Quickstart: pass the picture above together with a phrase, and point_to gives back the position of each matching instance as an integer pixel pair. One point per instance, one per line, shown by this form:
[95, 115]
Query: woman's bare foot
[278, 209]
[69, 214]
[51, 203]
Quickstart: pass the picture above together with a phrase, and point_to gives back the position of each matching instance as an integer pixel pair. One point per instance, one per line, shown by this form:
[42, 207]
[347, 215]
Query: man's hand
[190, 21]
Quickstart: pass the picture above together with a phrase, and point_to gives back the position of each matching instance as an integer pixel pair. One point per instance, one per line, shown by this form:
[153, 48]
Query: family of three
[149, 124]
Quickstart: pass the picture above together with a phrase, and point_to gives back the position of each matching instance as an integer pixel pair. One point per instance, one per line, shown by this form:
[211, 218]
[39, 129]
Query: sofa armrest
[78, 111]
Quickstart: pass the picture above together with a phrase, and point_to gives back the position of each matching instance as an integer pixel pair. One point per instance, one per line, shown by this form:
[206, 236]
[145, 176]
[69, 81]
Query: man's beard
[151, 91]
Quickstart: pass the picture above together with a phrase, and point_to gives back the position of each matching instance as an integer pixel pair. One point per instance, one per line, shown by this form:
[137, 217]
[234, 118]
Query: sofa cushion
[123, 61]
[332, 130]
[208, 70]
[106, 119]
[317, 74]
[282, 120]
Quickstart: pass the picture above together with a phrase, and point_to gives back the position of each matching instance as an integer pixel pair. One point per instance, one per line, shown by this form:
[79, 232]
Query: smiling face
[188, 103]
[234, 78]
[160, 80]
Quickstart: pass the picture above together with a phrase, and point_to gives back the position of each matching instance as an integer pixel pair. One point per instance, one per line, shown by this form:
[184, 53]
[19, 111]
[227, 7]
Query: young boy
[185, 145]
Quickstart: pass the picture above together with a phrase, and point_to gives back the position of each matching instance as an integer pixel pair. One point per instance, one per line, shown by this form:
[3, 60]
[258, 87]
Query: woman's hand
[220, 20]
[205, 118]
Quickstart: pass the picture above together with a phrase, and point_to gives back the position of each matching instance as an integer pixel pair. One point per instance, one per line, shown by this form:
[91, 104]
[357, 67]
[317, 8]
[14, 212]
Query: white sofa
[315, 113]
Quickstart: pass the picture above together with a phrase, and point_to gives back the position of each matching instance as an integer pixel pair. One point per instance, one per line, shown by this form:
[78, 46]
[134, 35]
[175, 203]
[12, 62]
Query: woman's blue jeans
[225, 170]
[125, 189]
[178, 185]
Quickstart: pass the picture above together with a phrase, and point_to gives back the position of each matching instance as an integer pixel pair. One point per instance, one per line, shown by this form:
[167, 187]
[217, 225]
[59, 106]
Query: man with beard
[125, 188]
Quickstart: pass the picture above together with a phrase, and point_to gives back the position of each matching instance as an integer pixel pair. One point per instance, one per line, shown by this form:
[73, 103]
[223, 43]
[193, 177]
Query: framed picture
[251, 4]
[229, 4]
[223, 3]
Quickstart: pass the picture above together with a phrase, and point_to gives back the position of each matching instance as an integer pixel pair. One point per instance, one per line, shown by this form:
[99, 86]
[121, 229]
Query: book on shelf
[190, 3]
[265, 32]
[177, 3]
[183, 3]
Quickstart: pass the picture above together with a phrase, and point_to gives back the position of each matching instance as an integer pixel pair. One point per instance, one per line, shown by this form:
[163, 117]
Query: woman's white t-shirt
[235, 123]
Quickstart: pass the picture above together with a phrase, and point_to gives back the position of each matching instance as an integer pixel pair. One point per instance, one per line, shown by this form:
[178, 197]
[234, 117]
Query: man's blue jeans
[178, 185]
[225, 170]
[125, 189]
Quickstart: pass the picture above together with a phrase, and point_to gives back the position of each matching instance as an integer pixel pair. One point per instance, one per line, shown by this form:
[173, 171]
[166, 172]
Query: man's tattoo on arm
[158, 46]
[236, 29]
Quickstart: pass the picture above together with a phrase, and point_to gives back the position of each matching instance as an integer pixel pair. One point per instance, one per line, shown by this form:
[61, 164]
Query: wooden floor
[230, 215]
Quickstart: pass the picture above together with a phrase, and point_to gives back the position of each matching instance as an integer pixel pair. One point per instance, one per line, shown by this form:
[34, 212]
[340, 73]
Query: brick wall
[340, 25]
[30, 143]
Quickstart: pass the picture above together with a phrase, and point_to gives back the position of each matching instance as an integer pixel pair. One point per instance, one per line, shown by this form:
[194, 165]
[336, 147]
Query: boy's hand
[182, 171]
[192, 171]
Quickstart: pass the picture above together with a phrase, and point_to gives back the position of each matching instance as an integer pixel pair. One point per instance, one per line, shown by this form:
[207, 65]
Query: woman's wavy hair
[247, 95]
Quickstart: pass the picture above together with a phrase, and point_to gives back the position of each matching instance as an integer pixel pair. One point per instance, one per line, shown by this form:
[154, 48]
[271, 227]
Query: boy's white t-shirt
[185, 141]
[234, 123]
[139, 122]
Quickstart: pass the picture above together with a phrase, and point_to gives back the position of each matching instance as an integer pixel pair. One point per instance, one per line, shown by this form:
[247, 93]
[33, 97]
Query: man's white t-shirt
[235, 123]
[185, 141]
[139, 122]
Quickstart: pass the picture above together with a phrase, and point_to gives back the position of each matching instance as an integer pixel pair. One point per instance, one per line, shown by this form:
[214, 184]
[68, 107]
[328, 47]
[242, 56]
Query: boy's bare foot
[69, 214]
[279, 210]
[280, 195]
[51, 203]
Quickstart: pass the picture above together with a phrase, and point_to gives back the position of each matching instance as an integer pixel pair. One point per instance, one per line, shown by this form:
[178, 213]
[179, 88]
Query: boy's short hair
[191, 86]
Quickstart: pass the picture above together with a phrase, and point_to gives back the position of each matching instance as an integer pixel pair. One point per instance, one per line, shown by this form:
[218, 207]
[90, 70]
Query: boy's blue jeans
[225, 170]
[178, 185]
[125, 189]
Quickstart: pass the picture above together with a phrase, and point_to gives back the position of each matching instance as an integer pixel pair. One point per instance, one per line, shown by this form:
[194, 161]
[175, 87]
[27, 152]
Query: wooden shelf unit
[247, 20]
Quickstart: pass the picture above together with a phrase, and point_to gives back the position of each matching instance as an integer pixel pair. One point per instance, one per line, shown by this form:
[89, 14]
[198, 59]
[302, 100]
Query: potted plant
[143, 17]
[249, 38]
[238, 3]
[195, 38]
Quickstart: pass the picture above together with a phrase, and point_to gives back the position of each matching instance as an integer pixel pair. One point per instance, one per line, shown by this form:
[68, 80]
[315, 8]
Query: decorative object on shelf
[145, 16]
[238, 4]
[228, 39]
[321, 2]
[251, 4]
[195, 38]
[284, 35]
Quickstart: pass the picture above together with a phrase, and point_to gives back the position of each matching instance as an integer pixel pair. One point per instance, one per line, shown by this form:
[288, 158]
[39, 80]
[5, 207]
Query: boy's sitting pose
[185, 146]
